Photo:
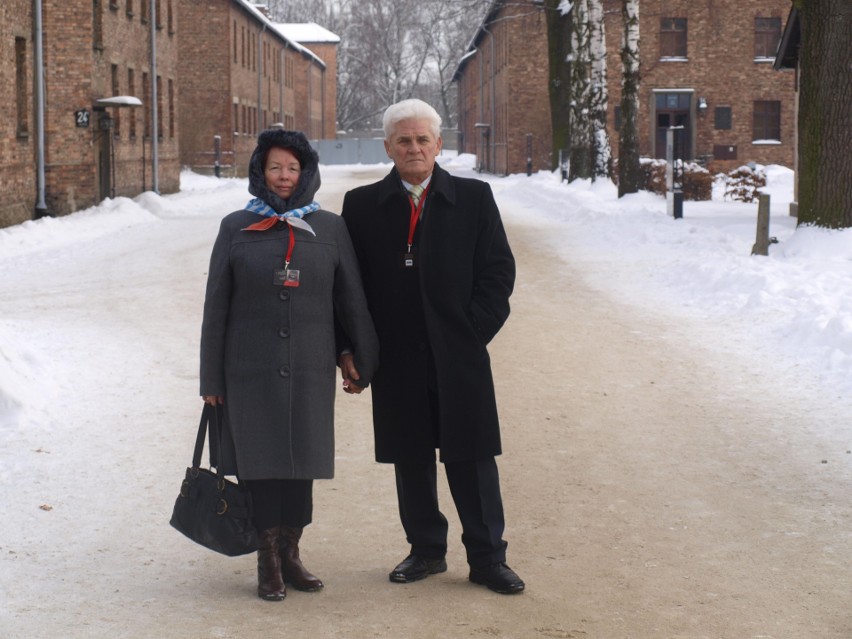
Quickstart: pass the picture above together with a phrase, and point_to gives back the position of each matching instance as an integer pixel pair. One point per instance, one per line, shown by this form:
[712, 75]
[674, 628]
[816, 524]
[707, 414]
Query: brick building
[321, 82]
[221, 67]
[706, 65]
[504, 110]
[92, 50]
[241, 74]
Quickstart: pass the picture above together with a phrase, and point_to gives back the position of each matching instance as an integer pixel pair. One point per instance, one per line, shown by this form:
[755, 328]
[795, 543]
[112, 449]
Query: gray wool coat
[271, 350]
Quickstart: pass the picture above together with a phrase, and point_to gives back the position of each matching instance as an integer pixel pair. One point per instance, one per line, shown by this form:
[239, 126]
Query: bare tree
[629, 170]
[391, 49]
[825, 111]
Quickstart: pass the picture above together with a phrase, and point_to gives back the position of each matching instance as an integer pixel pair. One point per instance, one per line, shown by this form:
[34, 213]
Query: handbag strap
[211, 417]
[202, 431]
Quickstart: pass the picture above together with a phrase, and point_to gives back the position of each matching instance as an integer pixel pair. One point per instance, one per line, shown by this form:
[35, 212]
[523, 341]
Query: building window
[143, 10]
[158, 9]
[113, 4]
[243, 47]
[21, 86]
[236, 56]
[146, 106]
[767, 35]
[171, 108]
[722, 119]
[97, 25]
[116, 90]
[131, 116]
[767, 120]
[160, 111]
[171, 16]
[129, 8]
[672, 37]
[618, 117]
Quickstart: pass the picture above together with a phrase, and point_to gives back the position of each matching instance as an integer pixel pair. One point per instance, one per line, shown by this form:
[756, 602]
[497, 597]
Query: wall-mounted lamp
[702, 105]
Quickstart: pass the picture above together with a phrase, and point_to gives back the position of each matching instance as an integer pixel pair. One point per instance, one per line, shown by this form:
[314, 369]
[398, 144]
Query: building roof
[787, 56]
[256, 11]
[307, 32]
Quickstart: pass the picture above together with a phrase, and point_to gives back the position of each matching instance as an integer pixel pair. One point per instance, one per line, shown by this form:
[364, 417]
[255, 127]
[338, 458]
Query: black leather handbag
[211, 510]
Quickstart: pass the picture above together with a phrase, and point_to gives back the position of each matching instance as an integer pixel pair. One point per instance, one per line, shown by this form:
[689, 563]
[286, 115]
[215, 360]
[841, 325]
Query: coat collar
[440, 185]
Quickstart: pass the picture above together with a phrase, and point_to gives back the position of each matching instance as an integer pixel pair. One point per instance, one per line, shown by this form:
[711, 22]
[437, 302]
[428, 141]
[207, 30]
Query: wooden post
[761, 243]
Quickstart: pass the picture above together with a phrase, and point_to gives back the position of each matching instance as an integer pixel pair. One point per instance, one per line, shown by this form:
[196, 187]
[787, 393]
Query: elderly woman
[283, 289]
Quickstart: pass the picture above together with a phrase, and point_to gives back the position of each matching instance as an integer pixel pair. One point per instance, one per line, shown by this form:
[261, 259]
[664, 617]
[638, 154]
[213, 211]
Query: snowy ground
[795, 304]
[99, 320]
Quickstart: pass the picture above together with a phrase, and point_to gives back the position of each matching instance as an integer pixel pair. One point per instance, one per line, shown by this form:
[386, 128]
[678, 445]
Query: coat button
[284, 295]
[283, 332]
[284, 371]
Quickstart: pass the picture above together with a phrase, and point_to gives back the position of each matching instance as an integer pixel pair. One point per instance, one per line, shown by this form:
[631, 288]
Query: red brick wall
[324, 91]
[17, 147]
[504, 86]
[720, 67]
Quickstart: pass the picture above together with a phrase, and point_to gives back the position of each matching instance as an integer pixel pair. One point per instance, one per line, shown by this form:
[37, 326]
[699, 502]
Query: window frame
[674, 36]
[762, 36]
[766, 120]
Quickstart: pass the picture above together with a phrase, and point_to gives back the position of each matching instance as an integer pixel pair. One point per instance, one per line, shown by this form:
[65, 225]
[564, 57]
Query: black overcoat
[452, 304]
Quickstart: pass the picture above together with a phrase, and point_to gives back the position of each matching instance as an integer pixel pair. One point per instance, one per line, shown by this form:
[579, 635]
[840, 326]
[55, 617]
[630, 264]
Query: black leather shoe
[414, 568]
[498, 577]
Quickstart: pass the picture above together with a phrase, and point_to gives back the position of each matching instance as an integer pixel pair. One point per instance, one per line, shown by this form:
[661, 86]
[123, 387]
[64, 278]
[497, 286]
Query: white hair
[408, 110]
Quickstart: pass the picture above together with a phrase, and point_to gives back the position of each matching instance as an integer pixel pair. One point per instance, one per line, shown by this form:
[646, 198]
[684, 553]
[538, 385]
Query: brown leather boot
[270, 585]
[292, 569]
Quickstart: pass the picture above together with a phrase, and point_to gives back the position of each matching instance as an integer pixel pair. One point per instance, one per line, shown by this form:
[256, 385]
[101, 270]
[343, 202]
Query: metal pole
[41, 206]
[260, 62]
[155, 156]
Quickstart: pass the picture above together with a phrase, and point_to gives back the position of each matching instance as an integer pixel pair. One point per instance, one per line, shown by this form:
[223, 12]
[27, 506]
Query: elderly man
[438, 273]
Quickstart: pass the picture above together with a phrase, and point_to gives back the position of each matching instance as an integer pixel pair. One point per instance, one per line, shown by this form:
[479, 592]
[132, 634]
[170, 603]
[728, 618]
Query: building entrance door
[673, 109]
[104, 152]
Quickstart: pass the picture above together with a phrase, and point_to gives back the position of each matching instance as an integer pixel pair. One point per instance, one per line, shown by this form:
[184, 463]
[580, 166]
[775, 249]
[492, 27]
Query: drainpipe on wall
[41, 206]
[260, 78]
[492, 100]
[155, 155]
[281, 78]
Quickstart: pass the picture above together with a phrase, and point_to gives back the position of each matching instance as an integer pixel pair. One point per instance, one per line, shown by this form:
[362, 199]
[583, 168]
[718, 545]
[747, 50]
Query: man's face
[413, 148]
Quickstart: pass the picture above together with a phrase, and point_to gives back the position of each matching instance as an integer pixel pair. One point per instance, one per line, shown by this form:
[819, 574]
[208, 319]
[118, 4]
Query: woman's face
[282, 172]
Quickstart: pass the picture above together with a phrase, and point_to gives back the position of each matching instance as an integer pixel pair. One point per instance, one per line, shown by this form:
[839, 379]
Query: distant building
[319, 84]
[116, 120]
[504, 109]
[240, 74]
[704, 66]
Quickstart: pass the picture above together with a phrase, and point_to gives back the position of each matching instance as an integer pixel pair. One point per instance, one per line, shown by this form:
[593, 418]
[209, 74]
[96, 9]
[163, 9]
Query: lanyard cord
[290, 245]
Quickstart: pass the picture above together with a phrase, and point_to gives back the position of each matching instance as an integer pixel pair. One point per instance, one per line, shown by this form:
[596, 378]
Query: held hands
[213, 400]
[350, 374]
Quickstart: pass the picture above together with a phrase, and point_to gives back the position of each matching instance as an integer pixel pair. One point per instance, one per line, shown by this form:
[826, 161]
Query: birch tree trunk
[598, 94]
[825, 113]
[580, 124]
[629, 171]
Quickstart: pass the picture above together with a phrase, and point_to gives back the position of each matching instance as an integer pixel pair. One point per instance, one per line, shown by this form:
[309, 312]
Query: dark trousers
[475, 488]
[281, 502]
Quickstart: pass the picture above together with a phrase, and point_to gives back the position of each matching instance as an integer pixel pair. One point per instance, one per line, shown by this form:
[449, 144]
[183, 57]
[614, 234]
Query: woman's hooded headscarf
[309, 180]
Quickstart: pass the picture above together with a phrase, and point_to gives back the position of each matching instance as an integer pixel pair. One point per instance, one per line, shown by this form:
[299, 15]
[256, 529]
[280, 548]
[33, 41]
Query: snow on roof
[307, 32]
[119, 100]
[253, 9]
